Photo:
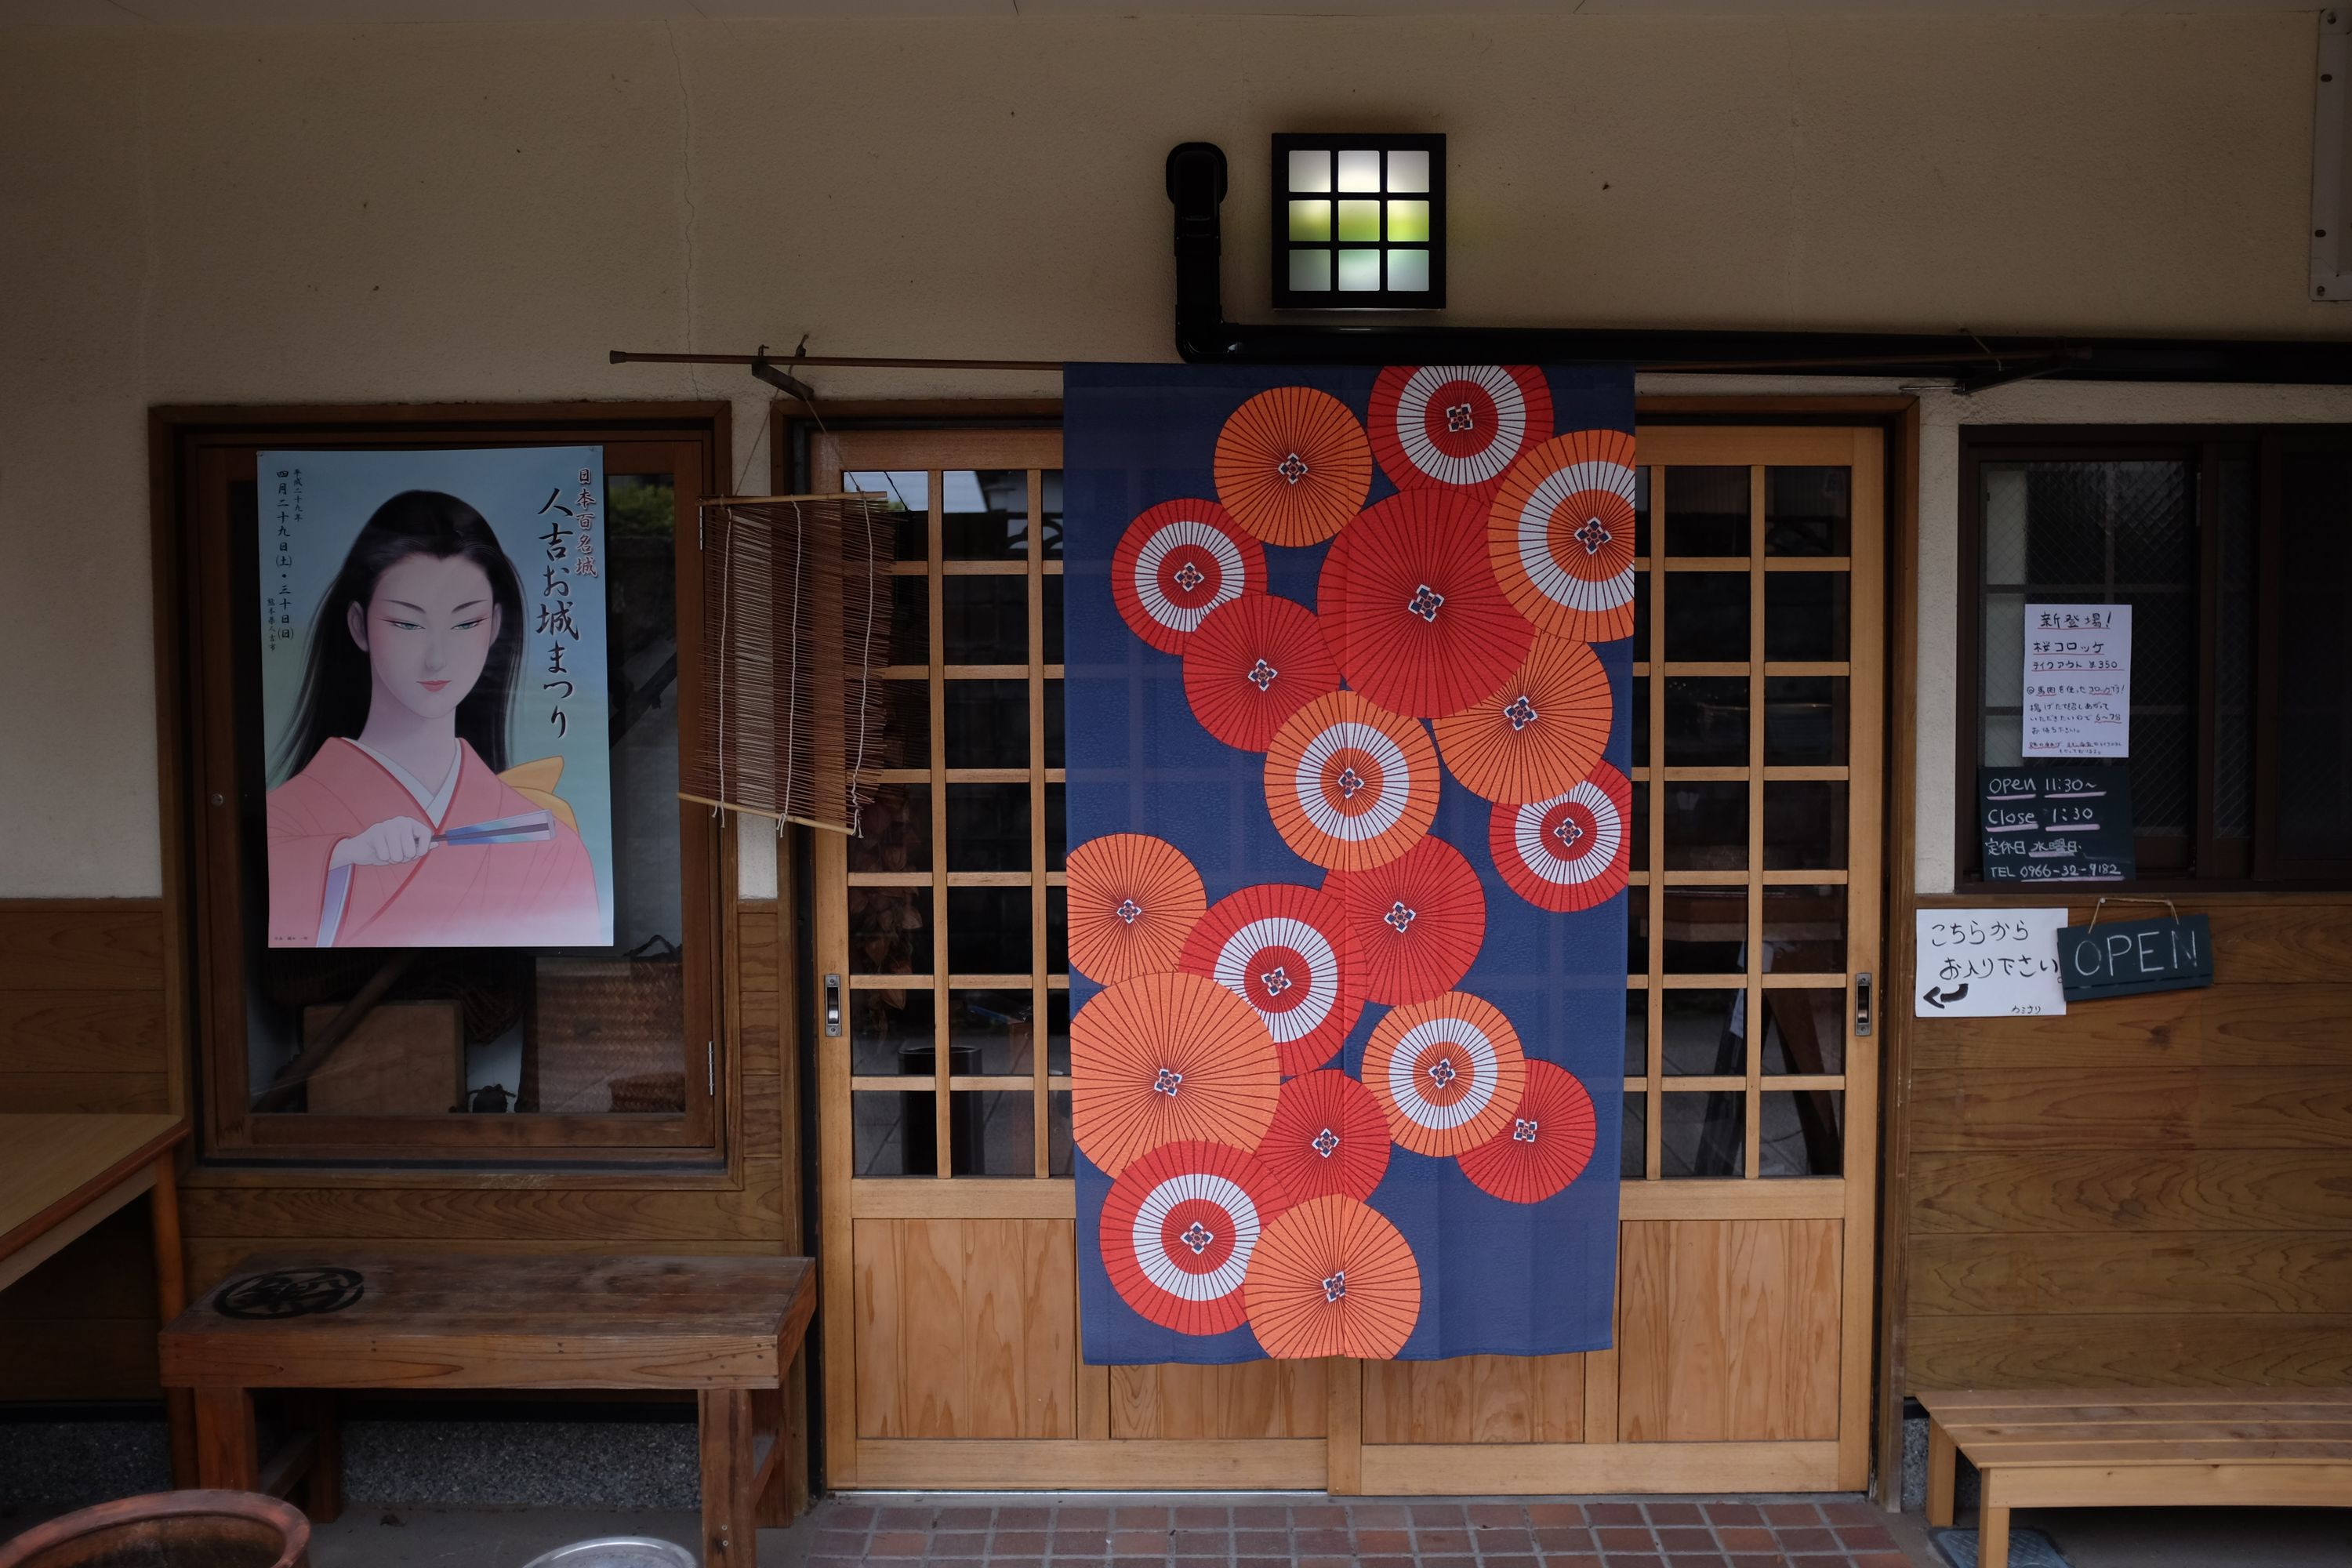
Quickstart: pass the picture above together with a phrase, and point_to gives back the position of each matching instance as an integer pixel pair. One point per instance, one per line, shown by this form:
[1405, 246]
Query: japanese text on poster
[2077, 681]
[1987, 963]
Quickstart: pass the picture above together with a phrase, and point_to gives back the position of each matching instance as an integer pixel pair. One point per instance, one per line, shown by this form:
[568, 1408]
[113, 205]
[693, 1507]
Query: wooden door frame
[1869, 1405]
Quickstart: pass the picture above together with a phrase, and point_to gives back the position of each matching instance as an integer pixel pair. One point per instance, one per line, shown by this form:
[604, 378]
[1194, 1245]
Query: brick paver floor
[1278, 1533]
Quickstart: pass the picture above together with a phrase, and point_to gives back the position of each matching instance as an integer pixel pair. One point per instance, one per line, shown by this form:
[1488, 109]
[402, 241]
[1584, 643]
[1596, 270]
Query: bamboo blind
[795, 631]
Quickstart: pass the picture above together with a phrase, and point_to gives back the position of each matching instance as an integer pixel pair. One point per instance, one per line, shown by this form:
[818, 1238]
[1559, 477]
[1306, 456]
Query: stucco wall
[429, 213]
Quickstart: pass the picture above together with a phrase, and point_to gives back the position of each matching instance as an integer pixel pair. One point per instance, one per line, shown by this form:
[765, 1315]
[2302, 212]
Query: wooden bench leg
[1943, 1467]
[171, 1296]
[323, 1483]
[731, 1531]
[1992, 1524]
[228, 1452]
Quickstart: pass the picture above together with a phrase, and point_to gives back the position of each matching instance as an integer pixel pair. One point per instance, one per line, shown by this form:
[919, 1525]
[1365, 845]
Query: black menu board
[2058, 822]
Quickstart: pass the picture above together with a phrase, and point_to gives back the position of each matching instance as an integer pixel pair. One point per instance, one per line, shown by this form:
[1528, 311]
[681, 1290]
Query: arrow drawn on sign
[1936, 995]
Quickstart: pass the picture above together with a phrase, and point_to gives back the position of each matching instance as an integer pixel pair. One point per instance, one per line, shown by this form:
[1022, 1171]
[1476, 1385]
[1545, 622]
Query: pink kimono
[453, 895]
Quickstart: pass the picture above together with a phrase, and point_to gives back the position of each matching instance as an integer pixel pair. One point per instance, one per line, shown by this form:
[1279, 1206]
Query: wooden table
[61, 1173]
[723, 1327]
[2152, 1448]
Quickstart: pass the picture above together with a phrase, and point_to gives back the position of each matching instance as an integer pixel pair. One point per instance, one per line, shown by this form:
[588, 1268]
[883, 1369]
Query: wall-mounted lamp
[1360, 222]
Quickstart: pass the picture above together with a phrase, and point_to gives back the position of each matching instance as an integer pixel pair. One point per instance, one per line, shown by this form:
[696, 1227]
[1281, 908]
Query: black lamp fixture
[1359, 222]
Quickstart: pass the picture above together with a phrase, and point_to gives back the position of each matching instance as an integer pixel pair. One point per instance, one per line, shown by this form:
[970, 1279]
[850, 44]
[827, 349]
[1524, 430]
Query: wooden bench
[2275, 1447]
[722, 1327]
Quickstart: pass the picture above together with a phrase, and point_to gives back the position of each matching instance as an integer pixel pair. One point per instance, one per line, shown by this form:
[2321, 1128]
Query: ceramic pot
[169, 1530]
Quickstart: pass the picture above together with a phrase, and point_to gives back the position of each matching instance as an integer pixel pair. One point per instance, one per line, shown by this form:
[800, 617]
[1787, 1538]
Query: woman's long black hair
[337, 685]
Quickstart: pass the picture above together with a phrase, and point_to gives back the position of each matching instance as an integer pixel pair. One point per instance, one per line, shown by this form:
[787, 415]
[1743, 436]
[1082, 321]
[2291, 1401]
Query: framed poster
[433, 679]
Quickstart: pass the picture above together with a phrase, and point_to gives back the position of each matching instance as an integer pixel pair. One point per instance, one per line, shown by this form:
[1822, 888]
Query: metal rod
[836, 361]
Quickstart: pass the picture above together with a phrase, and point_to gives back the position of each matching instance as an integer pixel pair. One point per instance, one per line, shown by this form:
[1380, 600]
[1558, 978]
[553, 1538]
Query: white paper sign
[2078, 680]
[1987, 963]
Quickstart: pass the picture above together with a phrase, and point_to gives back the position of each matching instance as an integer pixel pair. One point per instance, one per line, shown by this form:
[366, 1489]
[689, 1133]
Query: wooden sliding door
[1742, 1346]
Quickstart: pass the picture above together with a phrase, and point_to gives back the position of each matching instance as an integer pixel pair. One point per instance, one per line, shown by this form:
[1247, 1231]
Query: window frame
[2214, 864]
[196, 453]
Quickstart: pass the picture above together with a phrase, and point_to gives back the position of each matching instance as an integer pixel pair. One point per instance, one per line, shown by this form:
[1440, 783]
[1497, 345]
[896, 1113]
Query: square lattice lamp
[1360, 222]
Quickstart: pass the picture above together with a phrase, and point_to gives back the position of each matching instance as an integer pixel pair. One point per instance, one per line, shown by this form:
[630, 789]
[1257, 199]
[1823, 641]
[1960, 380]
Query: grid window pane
[1804, 1134]
[1310, 271]
[1808, 512]
[1408, 222]
[1704, 1135]
[1359, 169]
[1409, 170]
[2118, 531]
[1359, 271]
[883, 1023]
[1706, 511]
[1408, 271]
[2315, 808]
[1311, 170]
[1310, 220]
[1707, 613]
[908, 493]
[984, 514]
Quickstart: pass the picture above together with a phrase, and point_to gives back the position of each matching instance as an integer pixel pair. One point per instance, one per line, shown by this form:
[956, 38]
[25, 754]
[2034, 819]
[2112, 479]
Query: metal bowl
[618, 1551]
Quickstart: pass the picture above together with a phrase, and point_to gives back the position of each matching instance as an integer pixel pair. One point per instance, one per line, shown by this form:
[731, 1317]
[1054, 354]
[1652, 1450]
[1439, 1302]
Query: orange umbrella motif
[1548, 721]
[1349, 784]
[1332, 1276]
[1411, 607]
[1166, 1056]
[1293, 464]
[1544, 1147]
[1132, 902]
[1178, 561]
[1570, 851]
[1252, 664]
[1283, 949]
[1561, 530]
[1415, 924]
[1448, 1072]
[1328, 1135]
[1179, 1228]
[1458, 424]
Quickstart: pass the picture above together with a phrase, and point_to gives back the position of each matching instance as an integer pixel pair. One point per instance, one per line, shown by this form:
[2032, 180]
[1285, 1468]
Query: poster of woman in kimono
[432, 655]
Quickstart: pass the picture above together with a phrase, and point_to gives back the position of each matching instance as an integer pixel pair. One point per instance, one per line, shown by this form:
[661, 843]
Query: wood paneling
[1475, 1399]
[1728, 1330]
[966, 1327]
[2150, 1190]
[82, 1325]
[82, 945]
[2298, 1025]
[1250, 1399]
[2152, 1107]
[2049, 1351]
[2260, 1271]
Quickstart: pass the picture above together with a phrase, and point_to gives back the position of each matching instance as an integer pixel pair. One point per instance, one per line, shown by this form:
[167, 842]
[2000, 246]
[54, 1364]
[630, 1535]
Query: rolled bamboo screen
[795, 633]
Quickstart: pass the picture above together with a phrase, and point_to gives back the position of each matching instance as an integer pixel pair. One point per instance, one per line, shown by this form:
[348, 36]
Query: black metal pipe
[1196, 186]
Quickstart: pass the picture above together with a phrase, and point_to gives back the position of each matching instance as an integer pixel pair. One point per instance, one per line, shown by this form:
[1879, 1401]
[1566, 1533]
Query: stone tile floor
[1274, 1533]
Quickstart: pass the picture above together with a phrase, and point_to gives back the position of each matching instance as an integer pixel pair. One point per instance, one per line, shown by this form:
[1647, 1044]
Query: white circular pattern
[1230, 570]
[1593, 860]
[1404, 1077]
[1150, 1242]
[1396, 785]
[1306, 1015]
[1502, 446]
[1552, 580]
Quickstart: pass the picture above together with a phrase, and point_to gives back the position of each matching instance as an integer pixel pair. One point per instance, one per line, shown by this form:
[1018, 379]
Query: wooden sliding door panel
[966, 1327]
[1475, 1399]
[1252, 1399]
[1728, 1330]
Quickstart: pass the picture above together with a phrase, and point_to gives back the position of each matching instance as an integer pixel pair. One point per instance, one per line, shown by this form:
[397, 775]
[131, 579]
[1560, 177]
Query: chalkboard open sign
[2056, 823]
[2122, 958]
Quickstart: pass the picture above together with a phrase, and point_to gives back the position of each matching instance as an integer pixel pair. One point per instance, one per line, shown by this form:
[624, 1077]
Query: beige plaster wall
[425, 213]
